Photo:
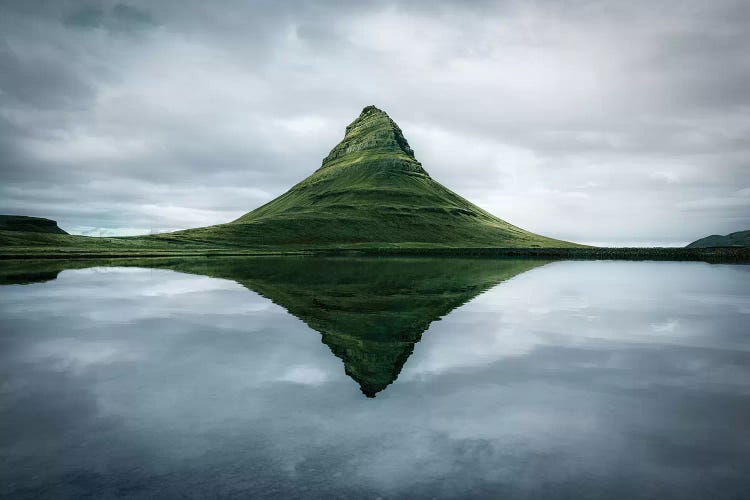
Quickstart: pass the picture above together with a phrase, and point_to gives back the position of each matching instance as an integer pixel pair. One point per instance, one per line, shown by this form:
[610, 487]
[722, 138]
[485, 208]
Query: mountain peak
[370, 113]
[373, 137]
[372, 109]
[371, 190]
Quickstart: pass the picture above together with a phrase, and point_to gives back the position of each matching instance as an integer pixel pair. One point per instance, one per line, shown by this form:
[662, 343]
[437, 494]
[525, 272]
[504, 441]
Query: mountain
[23, 223]
[738, 239]
[369, 191]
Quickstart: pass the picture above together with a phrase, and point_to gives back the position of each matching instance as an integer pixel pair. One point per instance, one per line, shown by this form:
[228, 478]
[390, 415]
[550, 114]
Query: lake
[374, 378]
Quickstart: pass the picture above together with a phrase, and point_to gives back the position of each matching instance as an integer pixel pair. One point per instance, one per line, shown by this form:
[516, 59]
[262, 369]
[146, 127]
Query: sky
[616, 123]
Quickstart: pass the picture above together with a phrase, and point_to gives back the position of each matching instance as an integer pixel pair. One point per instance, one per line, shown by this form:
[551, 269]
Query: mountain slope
[738, 239]
[369, 191]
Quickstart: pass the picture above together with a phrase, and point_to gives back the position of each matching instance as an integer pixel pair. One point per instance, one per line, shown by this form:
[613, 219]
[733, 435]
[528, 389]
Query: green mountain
[738, 239]
[370, 312]
[370, 191]
[23, 223]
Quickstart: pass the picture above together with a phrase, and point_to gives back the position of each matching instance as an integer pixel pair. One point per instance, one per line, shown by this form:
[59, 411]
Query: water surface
[391, 378]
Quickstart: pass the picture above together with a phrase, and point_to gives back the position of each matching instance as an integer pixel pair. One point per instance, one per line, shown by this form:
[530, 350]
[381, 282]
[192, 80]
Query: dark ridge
[29, 224]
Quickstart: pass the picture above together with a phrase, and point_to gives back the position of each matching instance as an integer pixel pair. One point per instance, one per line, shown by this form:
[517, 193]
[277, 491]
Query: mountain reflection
[371, 312]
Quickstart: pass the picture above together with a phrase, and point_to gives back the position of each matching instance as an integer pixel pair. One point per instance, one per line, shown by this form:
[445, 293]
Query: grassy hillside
[369, 192]
[738, 239]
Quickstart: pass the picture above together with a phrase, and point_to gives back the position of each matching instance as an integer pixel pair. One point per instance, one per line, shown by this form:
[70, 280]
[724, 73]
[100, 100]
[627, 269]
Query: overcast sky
[601, 122]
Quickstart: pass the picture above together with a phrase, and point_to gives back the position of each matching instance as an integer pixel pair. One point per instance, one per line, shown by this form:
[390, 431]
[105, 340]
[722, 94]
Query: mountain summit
[373, 137]
[370, 191]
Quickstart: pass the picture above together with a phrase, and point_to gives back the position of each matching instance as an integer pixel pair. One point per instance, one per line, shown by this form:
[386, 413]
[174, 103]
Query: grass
[369, 192]
[134, 249]
[738, 239]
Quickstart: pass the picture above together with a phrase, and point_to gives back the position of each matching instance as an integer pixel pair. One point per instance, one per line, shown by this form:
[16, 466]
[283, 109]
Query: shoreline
[714, 254]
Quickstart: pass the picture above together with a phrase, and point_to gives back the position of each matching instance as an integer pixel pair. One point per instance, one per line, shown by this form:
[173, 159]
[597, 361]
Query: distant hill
[369, 191]
[29, 224]
[738, 239]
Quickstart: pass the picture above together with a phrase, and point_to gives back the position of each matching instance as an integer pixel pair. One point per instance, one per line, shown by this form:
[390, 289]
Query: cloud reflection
[215, 403]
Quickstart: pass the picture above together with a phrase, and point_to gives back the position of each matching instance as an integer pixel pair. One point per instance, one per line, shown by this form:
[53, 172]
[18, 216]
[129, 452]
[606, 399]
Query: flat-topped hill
[29, 224]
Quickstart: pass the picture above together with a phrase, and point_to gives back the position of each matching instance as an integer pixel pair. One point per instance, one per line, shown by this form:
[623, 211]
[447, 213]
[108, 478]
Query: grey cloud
[88, 16]
[40, 82]
[594, 111]
[120, 18]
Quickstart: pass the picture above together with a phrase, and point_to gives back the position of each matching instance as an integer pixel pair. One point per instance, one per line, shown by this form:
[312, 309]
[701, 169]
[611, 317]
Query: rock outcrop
[29, 224]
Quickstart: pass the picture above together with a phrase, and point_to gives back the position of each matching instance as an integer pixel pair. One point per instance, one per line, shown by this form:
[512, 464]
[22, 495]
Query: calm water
[374, 378]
